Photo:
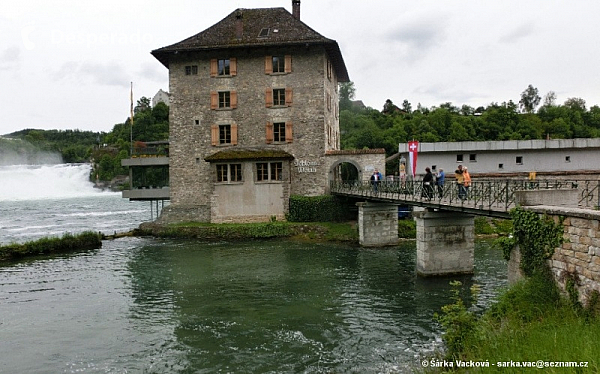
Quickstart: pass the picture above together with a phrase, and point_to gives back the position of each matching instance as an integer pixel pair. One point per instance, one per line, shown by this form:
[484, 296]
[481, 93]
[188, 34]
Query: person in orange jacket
[467, 180]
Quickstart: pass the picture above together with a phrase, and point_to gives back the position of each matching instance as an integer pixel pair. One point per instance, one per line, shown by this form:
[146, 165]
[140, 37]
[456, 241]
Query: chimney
[239, 25]
[296, 9]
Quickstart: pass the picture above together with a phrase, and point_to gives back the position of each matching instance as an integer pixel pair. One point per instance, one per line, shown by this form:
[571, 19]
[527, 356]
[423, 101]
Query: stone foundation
[377, 224]
[445, 243]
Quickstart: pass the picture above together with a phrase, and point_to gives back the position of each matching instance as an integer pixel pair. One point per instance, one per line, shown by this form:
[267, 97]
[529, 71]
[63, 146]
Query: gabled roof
[246, 28]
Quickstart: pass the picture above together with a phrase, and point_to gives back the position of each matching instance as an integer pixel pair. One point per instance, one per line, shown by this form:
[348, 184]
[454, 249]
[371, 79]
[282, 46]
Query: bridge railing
[494, 194]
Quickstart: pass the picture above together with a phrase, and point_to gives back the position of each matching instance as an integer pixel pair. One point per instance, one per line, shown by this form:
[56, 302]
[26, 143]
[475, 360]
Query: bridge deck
[493, 198]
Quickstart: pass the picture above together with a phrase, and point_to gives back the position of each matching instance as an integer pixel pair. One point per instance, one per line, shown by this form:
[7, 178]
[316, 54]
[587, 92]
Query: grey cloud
[10, 58]
[421, 34]
[518, 33]
[108, 74]
[154, 72]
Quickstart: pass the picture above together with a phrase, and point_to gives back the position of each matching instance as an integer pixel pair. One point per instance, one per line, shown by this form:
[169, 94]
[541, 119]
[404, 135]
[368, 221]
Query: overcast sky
[68, 64]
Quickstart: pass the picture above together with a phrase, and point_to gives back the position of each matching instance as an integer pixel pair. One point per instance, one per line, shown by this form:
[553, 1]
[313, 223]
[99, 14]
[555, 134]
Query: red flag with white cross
[413, 150]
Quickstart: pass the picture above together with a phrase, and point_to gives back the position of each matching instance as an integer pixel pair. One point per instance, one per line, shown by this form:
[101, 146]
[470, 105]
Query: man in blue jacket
[440, 182]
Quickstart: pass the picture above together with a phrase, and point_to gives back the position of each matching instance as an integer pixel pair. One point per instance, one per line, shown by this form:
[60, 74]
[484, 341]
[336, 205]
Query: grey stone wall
[313, 114]
[579, 256]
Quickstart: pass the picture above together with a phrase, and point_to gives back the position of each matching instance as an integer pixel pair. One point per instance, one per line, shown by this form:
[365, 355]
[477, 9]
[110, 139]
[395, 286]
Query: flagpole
[131, 121]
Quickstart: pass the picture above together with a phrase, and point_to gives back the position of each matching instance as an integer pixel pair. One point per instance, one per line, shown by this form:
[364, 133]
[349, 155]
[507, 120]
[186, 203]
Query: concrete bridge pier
[377, 224]
[445, 243]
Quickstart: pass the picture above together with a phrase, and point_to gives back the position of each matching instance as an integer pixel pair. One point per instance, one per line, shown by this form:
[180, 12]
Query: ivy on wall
[537, 237]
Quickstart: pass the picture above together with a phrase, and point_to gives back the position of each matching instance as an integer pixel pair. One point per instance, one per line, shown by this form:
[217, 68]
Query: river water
[143, 305]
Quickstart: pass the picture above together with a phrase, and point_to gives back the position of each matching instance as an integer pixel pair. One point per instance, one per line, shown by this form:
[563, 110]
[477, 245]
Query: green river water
[149, 306]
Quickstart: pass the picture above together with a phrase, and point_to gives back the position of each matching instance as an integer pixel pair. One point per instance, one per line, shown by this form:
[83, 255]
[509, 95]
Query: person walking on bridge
[441, 179]
[427, 191]
[376, 179]
[467, 181]
[460, 182]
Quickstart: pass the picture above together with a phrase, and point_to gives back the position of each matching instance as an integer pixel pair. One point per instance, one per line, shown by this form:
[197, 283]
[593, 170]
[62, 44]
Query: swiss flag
[413, 150]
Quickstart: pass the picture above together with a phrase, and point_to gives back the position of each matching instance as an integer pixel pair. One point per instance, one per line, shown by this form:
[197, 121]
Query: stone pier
[445, 243]
[377, 224]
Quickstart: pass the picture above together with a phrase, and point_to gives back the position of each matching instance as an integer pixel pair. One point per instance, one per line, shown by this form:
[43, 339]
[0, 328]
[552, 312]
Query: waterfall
[32, 182]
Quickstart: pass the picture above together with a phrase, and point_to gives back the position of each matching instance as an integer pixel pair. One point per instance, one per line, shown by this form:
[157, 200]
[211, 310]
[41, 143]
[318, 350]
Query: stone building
[161, 97]
[253, 116]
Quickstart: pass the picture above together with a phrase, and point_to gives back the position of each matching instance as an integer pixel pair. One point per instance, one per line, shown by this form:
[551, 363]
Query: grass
[67, 243]
[531, 321]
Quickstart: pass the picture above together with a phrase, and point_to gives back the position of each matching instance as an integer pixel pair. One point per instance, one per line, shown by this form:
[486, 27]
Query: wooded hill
[361, 127]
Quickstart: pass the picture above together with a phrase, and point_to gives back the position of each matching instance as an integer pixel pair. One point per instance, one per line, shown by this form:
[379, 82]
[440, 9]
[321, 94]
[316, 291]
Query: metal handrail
[485, 194]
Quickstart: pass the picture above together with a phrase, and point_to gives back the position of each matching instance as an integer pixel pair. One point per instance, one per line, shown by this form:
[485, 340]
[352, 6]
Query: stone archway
[345, 170]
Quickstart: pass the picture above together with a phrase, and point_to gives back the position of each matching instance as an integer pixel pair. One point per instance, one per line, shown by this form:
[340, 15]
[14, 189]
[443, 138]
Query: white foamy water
[50, 200]
[30, 182]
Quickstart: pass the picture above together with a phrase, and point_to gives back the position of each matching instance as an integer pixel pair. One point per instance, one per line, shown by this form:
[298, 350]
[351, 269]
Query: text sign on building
[305, 166]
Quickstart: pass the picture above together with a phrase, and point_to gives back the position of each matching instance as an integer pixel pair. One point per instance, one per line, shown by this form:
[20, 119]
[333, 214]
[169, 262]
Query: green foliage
[537, 238]
[483, 226]
[325, 208]
[67, 243]
[371, 128]
[407, 229]
[527, 300]
[458, 322]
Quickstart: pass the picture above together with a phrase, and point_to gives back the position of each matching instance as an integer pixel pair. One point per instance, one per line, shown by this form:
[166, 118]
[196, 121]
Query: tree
[406, 106]
[575, 103]
[550, 99]
[530, 99]
[143, 104]
[347, 92]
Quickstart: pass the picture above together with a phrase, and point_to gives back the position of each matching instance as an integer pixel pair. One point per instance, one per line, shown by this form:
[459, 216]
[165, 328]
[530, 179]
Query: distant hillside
[69, 146]
[20, 152]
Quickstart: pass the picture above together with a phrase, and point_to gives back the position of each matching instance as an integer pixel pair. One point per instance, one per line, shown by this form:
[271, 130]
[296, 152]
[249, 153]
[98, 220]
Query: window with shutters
[225, 134]
[226, 67]
[280, 64]
[223, 100]
[279, 132]
[278, 97]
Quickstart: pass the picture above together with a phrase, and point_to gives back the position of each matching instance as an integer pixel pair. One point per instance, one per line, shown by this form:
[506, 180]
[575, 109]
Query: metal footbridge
[485, 197]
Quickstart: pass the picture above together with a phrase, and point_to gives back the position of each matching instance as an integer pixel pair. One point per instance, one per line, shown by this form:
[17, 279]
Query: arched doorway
[346, 171]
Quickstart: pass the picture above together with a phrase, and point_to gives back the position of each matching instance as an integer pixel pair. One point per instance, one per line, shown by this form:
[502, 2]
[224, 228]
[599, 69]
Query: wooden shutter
[288, 97]
[268, 64]
[269, 97]
[233, 98]
[213, 67]
[233, 66]
[214, 100]
[288, 132]
[214, 134]
[234, 134]
[288, 63]
[269, 132]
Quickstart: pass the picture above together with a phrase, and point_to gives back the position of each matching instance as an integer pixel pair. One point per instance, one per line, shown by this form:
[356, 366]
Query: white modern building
[564, 156]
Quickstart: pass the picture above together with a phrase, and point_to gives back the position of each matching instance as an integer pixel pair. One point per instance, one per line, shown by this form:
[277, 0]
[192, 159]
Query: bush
[407, 229]
[68, 243]
[324, 208]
